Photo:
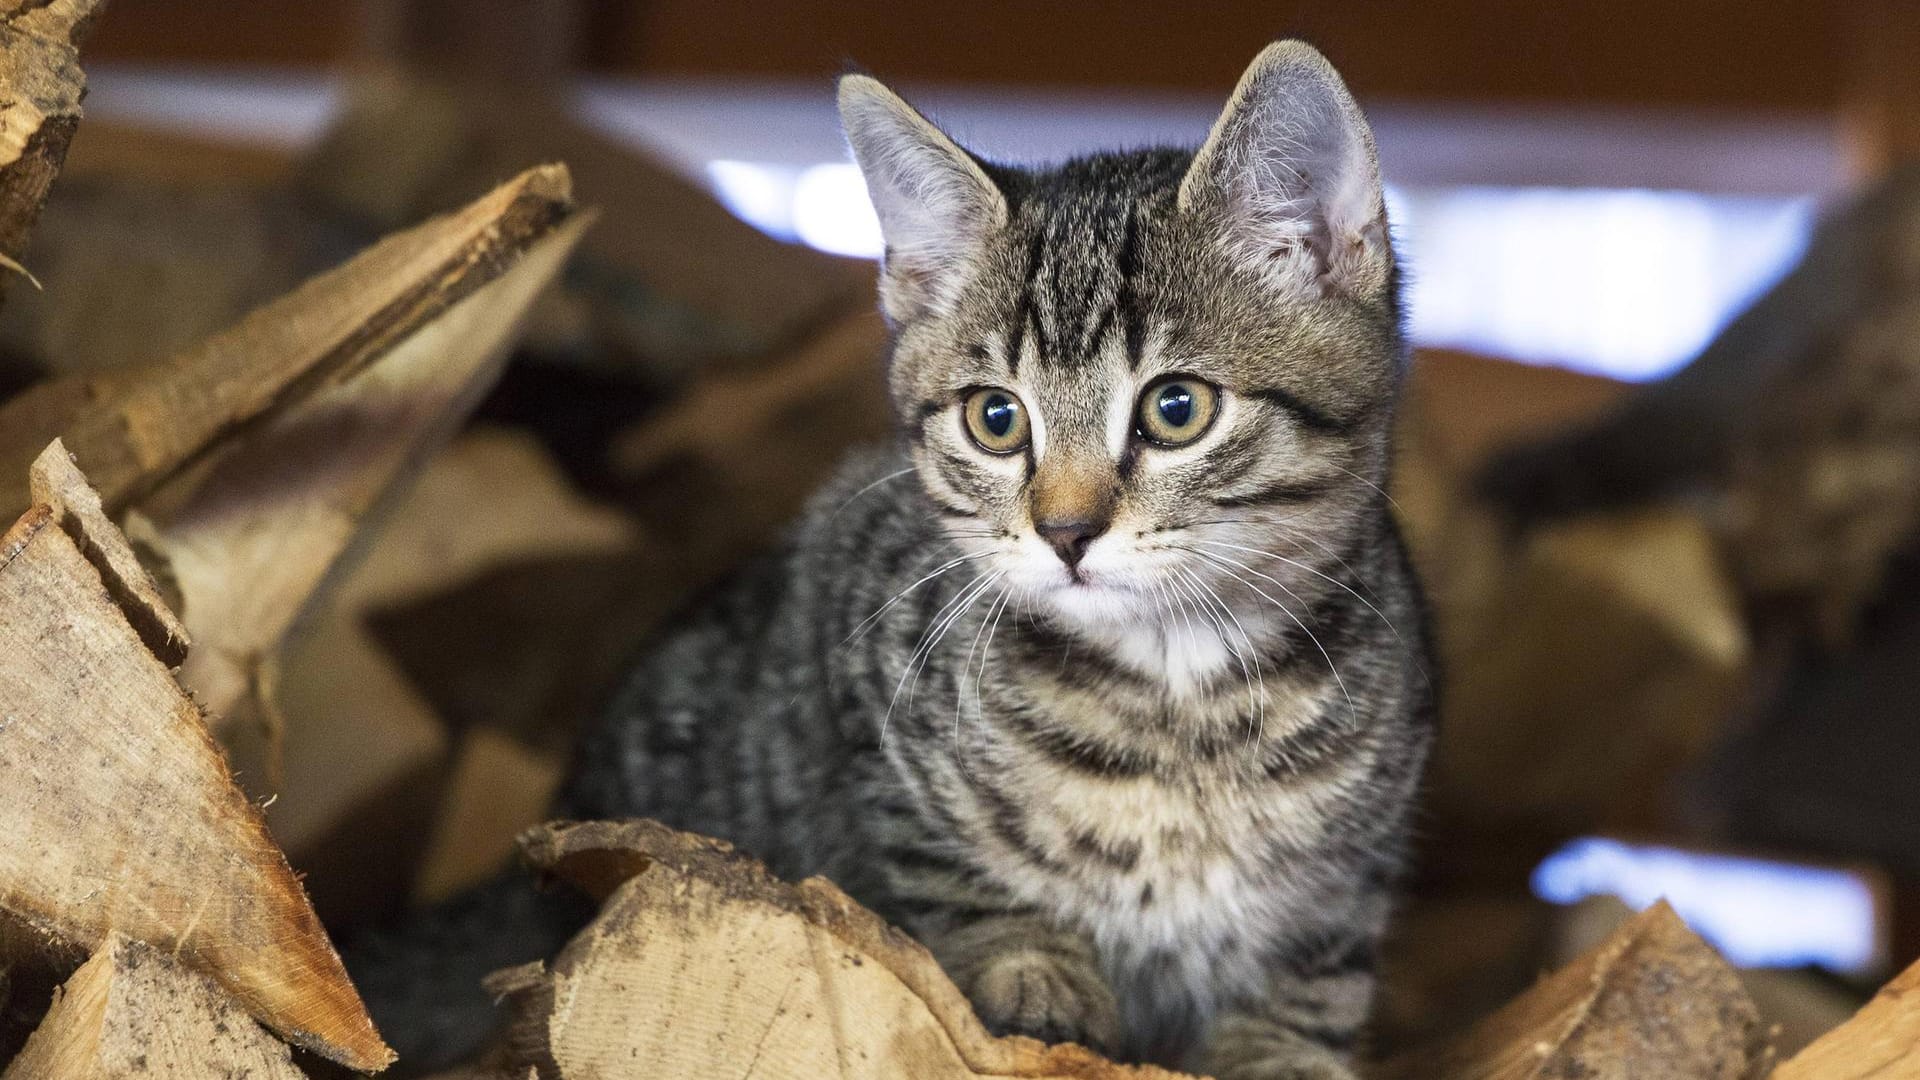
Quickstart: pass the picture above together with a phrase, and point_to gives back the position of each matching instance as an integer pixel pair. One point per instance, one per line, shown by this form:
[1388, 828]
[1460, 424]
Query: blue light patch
[1758, 913]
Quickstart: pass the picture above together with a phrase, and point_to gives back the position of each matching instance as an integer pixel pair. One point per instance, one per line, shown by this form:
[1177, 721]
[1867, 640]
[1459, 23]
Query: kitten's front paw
[1051, 998]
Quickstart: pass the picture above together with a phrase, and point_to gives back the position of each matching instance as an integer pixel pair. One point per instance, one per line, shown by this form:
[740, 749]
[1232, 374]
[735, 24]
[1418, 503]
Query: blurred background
[1660, 455]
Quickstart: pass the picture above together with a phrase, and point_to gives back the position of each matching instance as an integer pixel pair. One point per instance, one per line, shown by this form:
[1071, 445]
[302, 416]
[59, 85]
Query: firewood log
[133, 1011]
[669, 284]
[42, 83]
[702, 964]
[1882, 1041]
[256, 529]
[1651, 1001]
[133, 430]
[118, 809]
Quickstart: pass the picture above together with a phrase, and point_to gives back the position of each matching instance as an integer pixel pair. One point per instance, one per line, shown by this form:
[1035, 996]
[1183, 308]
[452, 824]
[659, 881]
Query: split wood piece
[252, 532]
[669, 284]
[1881, 1041]
[498, 788]
[364, 748]
[1653, 1000]
[57, 484]
[132, 430]
[364, 756]
[133, 1011]
[42, 84]
[702, 964]
[118, 809]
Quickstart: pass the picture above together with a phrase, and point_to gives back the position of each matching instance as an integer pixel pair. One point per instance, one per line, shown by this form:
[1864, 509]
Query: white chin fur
[1142, 624]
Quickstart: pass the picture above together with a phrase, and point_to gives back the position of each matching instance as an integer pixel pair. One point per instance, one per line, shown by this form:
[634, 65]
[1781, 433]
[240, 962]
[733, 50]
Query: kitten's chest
[1159, 862]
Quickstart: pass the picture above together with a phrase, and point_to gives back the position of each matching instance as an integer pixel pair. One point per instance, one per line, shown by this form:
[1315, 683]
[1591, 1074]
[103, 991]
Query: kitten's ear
[1290, 168]
[935, 203]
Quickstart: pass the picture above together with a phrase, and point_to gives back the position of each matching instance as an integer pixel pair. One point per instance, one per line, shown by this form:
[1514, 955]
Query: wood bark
[702, 964]
[119, 812]
[1652, 1000]
[133, 1011]
[41, 81]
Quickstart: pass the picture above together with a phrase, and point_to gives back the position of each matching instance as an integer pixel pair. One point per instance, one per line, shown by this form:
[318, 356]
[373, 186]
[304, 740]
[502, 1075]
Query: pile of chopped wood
[289, 639]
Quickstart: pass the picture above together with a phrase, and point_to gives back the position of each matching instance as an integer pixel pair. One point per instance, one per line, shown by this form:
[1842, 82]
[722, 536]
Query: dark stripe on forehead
[1123, 298]
[1081, 279]
[1126, 296]
[1054, 311]
[1023, 306]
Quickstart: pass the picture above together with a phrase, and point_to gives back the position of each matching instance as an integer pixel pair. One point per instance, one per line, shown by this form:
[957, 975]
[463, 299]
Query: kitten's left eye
[1175, 411]
[996, 420]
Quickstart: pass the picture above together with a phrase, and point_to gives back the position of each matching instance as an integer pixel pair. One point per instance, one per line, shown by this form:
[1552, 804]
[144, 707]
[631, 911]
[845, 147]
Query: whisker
[960, 684]
[1329, 552]
[867, 623]
[926, 658]
[1259, 704]
[1383, 491]
[917, 662]
[979, 680]
[1197, 522]
[1352, 710]
[856, 495]
[958, 605]
[1183, 594]
[1303, 566]
[1185, 613]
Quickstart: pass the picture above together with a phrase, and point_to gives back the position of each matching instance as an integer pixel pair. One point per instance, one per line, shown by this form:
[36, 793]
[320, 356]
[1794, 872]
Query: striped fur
[1155, 802]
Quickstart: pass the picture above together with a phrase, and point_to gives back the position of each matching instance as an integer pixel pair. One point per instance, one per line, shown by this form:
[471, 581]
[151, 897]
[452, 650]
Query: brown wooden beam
[1882, 105]
[1728, 53]
[1788, 54]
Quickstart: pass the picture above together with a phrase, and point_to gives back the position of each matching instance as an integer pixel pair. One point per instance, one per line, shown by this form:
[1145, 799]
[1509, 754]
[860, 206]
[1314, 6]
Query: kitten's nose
[1070, 538]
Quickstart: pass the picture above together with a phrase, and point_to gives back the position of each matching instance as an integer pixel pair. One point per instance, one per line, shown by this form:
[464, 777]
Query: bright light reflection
[760, 195]
[831, 211]
[1757, 913]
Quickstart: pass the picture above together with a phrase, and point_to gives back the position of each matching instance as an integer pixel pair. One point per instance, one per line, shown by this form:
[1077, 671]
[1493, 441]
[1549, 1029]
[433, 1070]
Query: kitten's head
[1136, 370]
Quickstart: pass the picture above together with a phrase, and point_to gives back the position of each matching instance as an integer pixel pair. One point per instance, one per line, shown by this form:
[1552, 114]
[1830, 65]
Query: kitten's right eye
[996, 420]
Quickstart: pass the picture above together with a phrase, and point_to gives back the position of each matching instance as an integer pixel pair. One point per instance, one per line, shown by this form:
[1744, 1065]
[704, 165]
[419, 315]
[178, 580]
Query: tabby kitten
[1108, 685]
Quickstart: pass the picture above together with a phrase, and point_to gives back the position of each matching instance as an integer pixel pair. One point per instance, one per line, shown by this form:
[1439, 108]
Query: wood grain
[703, 964]
[119, 812]
[133, 430]
[1652, 1000]
[132, 1011]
